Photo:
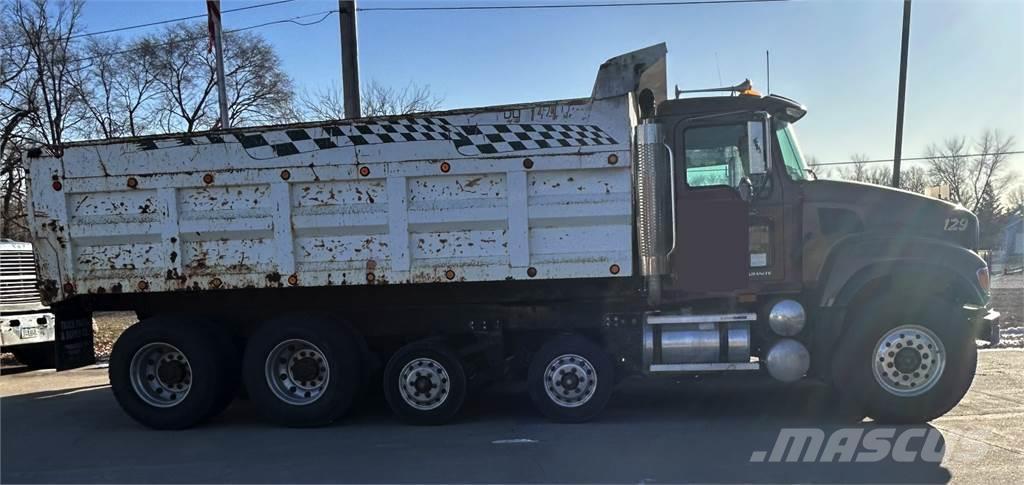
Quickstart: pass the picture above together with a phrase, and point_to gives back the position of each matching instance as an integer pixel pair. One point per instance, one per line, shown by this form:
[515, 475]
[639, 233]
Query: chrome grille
[18, 277]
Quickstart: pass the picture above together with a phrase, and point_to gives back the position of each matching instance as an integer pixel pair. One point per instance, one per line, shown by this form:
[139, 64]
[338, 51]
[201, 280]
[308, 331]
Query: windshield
[790, 150]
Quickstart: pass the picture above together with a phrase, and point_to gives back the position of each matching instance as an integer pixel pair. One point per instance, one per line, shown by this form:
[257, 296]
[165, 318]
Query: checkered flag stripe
[488, 139]
[468, 140]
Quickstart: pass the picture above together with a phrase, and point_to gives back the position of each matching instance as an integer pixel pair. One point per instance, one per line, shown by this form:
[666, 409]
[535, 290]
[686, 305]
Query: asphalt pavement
[66, 427]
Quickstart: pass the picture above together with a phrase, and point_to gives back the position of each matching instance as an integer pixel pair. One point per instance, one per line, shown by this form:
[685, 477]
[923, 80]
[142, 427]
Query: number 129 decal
[955, 224]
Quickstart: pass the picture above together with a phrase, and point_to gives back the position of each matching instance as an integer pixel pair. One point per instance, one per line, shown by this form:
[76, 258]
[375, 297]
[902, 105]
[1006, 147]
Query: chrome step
[711, 367]
[669, 319]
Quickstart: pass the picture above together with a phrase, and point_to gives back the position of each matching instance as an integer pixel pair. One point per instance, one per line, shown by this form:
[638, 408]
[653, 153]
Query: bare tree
[258, 89]
[37, 104]
[379, 100]
[1015, 200]
[968, 177]
[47, 33]
[375, 100]
[118, 90]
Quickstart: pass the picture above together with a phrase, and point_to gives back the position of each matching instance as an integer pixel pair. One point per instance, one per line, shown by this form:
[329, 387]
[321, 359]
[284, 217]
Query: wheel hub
[909, 360]
[570, 380]
[160, 374]
[424, 383]
[297, 372]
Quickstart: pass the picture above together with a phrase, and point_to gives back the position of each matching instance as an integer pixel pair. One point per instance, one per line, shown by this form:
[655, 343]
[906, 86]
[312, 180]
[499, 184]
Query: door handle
[672, 192]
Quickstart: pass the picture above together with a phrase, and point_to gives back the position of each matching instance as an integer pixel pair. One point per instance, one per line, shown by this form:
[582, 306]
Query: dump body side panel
[537, 191]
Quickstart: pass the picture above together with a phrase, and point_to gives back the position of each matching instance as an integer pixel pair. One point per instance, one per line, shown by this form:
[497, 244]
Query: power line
[936, 157]
[293, 20]
[150, 24]
[560, 5]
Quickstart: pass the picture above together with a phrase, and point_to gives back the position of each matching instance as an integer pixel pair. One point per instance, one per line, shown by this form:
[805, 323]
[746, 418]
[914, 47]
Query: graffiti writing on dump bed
[469, 140]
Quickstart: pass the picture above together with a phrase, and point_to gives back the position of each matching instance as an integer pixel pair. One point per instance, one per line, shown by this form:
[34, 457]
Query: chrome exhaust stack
[655, 203]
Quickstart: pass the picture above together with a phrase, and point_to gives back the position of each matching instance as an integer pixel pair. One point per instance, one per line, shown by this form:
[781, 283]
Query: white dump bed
[538, 191]
[517, 192]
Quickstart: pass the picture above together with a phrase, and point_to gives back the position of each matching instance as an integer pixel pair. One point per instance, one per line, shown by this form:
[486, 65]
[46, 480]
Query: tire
[434, 366]
[579, 357]
[196, 389]
[36, 356]
[906, 390]
[321, 370]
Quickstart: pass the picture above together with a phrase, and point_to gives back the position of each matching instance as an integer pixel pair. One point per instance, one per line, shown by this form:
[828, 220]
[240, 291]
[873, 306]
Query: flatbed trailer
[569, 242]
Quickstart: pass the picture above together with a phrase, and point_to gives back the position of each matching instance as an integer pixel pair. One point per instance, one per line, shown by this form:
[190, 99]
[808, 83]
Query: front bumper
[26, 328]
[985, 322]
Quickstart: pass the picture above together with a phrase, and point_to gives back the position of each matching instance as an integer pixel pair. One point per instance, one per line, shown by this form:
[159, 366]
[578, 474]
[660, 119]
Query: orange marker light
[208, 179]
[445, 167]
[614, 269]
[364, 171]
[132, 182]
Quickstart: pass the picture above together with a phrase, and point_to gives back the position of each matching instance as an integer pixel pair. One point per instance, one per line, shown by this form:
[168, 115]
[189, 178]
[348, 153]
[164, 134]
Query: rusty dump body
[538, 191]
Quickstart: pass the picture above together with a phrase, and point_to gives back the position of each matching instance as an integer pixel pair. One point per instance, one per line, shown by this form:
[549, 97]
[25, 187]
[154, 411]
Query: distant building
[1013, 243]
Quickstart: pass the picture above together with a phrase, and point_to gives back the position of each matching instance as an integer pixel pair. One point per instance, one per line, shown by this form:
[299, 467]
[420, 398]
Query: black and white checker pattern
[469, 140]
[489, 139]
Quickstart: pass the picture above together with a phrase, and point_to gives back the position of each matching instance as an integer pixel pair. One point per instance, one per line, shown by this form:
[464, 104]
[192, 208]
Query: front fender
[865, 267]
[860, 260]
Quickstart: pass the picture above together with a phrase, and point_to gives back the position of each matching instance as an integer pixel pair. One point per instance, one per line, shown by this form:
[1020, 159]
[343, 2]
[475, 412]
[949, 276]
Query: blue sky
[839, 58]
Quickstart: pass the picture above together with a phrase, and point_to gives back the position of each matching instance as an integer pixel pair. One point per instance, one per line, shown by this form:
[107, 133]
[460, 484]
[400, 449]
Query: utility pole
[349, 57]
[902, 96]
[213, 11]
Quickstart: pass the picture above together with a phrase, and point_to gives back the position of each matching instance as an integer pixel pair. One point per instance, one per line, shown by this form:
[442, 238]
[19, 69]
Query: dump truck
[26, 325]
[567, 243]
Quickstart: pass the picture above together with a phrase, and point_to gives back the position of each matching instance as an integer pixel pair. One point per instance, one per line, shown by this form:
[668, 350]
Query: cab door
[714, 180]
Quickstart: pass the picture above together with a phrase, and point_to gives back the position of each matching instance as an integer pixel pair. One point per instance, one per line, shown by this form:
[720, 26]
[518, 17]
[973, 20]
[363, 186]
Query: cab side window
[715, 155]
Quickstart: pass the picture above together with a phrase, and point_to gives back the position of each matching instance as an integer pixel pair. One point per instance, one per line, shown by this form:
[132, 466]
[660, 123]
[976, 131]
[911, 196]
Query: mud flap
[74, 341]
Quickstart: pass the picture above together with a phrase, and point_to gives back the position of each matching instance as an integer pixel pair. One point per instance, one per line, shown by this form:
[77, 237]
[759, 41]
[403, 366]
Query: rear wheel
[425, 383]
[36, 356]
[172, 373]
[571, 379]
[302, 370]
[907, 365]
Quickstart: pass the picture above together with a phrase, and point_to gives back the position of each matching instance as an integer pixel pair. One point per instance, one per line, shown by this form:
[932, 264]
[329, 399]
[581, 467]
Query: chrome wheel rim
[909, 360]
[297, 372]
[160, 374]
[424, 384]
[570, 380]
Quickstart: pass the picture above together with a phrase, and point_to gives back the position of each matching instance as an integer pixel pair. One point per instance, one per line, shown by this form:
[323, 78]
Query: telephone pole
[216, 32]
[902, 96]
[349, 57]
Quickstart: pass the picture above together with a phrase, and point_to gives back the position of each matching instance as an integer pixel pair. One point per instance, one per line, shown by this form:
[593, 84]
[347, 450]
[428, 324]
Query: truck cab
[26, 325]
[853, 280]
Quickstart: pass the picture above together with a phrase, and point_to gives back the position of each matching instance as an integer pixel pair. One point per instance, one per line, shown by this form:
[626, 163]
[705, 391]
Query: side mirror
[746, 189]
[757, 147]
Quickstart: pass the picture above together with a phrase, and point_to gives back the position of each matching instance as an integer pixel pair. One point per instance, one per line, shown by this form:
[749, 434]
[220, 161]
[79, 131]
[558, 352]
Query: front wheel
[907, 364]
[571, 379]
